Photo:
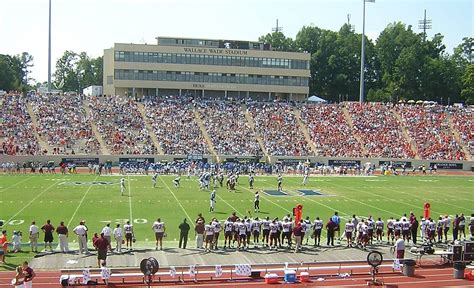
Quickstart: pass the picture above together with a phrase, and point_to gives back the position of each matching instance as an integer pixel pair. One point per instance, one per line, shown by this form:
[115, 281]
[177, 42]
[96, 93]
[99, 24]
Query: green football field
[97, 199]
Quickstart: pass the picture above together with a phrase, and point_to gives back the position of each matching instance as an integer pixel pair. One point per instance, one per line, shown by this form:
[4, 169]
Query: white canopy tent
[316, 99]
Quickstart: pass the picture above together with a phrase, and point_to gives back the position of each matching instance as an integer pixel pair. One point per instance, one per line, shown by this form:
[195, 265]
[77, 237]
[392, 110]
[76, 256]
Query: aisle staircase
[251, 123]
[149, 128]
[348, 118]
[304, 129]
[34, 122]
[210, 145]
[405, 133]
[103, 147]
[457, 137]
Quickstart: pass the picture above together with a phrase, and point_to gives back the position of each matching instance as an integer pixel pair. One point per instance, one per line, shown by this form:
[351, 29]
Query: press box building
[206, 68]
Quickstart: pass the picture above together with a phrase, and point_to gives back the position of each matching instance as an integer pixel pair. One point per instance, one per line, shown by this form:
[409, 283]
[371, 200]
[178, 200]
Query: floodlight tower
[362, 54]
[424, 24]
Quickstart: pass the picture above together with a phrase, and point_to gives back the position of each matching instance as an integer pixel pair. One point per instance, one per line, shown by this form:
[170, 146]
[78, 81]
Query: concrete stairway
[210, 145]
[348, 118]
[149, 128]
[43, 144]
[251, 123]
[103, 147]
[405, 133]
[305, 130]
[457, 137]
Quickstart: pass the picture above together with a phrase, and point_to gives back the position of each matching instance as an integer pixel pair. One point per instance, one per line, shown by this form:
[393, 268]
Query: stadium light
[49, 50]
[362, 54]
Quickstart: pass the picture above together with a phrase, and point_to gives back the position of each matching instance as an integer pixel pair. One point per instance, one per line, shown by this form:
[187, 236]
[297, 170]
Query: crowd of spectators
[174, 124]
[379, 130]
[277, 125]
[463, 120]
[429, 128]
[228, 129]
[63, 123]
[330, 131]
[121, 125]
[16, 129]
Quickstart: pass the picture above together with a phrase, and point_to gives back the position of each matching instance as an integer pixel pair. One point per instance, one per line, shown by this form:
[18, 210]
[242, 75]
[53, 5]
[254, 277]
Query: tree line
[400, 65]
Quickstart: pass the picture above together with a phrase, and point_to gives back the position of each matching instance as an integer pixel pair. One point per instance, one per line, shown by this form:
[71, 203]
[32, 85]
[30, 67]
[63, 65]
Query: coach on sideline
[81, 232]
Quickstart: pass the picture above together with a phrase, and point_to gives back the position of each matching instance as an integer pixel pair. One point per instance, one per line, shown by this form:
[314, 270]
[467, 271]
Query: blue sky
[92, 25]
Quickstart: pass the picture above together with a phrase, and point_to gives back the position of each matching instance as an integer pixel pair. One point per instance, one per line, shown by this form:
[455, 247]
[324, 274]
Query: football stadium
[211, 162]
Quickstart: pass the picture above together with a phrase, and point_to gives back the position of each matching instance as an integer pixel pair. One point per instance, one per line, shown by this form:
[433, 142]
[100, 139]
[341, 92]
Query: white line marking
[80, 202]
[179, 203]
[17, 183]
[29, 203]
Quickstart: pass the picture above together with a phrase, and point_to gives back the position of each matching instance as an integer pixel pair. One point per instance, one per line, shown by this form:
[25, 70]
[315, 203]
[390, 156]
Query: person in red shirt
[298, 233]
[331, 228]
[29, 274]
[48, 230]
[3, 245]
[102, 245]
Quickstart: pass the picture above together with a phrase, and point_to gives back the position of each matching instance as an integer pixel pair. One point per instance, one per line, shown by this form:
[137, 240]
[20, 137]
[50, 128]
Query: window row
[123, 74]
[220, 60]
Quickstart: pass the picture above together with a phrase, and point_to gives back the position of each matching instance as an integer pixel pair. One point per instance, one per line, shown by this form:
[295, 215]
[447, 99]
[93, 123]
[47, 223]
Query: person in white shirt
[209, 232]
[16, 241]
[217, 229]
[379, 229]
[399, 248]
[128, 228]
[317, 228]
[212, 201]
[228, 228]
[159, 229]
[349, 229]
[107, 231]
[390, 230]
[242, 230]
[306, 229]
[34, 234]
[273, 234]
[81, 232]
[447, 225]
[118, 235]
[256, 226]
[122, 186]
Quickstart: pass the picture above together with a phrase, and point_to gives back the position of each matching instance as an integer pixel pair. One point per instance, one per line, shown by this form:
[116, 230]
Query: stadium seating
[16, 129]
[329, 131]
[336, 130]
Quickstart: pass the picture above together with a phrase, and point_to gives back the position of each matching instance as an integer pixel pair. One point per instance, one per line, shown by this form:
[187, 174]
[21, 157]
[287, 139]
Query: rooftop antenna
[424, 24]
[277, 28]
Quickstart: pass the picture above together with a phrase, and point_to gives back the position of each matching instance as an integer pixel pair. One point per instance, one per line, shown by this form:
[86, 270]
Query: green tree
[75, 72]
[278, 41]
[467, 92]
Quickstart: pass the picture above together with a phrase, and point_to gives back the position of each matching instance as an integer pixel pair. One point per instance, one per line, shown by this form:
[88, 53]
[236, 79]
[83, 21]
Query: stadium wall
[336, 161]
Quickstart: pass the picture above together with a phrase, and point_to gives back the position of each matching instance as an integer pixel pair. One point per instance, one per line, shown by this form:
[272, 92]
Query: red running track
[427, 276]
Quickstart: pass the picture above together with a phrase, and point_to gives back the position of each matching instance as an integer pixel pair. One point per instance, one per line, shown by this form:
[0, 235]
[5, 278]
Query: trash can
[409, 267]
[290, 276]
[459, 270]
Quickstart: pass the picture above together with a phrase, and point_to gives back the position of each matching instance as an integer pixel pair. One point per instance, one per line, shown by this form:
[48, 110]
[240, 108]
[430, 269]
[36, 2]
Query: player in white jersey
[153, 179]
[217, 230]
[447, 225]
[251, 180]
[306, 229]
[306, 176]
[256, 227]
[397, 228]
[364, 230]
[209, 232]
[266, 231]
[242, 232]
[317, 228]
[128, 229]
[273, 234]
[423, 224]
[212, 201]
[406, 230]
[280, 183]
[159, 229]
[122, 186]
[349, 229]
[286, 232]
[390, 230]
[248, 225]
[439, 229]
[379, 229]
[431, 230]
[228, 228]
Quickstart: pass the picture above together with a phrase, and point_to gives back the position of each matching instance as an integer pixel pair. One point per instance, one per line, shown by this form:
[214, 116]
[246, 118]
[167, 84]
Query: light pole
[49, 50]
[362, 54]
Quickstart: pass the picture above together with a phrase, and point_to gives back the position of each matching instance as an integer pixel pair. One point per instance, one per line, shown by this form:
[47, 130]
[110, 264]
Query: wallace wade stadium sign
[215, 51]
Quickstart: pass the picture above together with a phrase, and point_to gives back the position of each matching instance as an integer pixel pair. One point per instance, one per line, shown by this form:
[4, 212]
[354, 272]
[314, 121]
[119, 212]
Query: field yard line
[130, 198]
[329, 207]
[380, 196]
[32, 200]
[226, 202]
[365, 204]
[179, 202]
[266, 198]
[80, 203]
[6, 188]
